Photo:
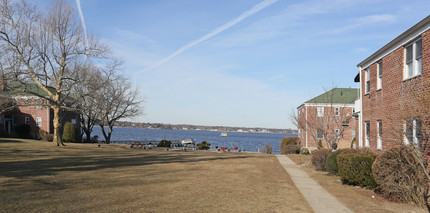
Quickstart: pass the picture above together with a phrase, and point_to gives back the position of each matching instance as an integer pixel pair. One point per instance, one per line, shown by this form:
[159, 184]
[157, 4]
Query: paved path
[318, 198]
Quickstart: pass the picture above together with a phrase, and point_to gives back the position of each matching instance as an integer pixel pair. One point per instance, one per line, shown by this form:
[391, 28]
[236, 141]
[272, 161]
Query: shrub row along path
[318, 198]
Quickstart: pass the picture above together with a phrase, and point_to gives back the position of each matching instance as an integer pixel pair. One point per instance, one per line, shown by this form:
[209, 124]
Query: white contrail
[229, 24]
[78, 3]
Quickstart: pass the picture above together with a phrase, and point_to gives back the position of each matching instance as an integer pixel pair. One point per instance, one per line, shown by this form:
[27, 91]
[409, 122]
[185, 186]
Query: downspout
[360, 116]
[48, 119]
[306, 131]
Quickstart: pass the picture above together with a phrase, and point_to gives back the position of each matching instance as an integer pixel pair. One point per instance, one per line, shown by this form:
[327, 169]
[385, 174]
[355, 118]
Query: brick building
[328, 117]
[32, 111]
[395, 91]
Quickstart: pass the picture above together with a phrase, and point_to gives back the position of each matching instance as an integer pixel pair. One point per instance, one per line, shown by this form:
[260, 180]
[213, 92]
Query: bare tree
[90, 93]
[47, 49]
[407, 125]
[117, 100]
[327, 117]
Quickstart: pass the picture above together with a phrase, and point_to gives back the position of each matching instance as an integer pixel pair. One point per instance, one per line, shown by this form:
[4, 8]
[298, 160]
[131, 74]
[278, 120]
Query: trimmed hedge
[319, 159]
[331, 162]
[286, 142]
[291, 149]
[356, 169]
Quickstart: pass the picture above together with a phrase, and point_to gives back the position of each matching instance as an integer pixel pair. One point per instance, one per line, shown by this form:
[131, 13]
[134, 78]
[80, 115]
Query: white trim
[360, 118]
[379, 135]
[329, 105]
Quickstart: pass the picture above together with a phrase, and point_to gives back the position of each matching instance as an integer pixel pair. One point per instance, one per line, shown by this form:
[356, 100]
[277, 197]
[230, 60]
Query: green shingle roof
[336, 96]
[27, 90]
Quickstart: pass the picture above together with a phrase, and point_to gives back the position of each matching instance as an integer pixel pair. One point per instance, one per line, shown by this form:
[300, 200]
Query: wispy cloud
[246, 14]
[81, 15]
[366, 20]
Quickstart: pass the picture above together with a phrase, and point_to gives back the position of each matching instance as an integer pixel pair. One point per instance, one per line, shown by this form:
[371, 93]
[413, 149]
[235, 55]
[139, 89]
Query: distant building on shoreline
[328, 118]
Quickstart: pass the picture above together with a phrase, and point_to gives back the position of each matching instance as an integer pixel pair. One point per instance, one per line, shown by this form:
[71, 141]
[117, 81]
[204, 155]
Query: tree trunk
[57, 125]
[107, 136]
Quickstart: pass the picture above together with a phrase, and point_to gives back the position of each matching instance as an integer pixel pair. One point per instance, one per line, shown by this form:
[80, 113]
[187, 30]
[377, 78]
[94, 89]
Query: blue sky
[243, 63]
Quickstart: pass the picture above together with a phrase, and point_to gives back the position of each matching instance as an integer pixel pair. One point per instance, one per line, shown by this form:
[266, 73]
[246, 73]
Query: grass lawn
[39, 177]
[354, 197]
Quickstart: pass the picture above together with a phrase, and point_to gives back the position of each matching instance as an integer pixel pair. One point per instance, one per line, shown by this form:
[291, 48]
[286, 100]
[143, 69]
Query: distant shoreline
[208, 128]
[278, 131]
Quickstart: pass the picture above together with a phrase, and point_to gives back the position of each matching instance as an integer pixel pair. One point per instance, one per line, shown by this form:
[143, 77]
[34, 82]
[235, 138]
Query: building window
[337, 133]
[27, 120]
[367, 134]
[74, 122]
[413, 131]
[413, 61]
[320, 133]
[320, 111]
[336, 111]
[353, 110]
[379, 125]
[367, 82]
[39, 121]
[379, 81]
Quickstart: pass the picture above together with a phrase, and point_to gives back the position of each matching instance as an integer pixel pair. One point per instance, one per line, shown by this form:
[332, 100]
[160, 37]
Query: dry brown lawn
[355, 198]
[39, 177]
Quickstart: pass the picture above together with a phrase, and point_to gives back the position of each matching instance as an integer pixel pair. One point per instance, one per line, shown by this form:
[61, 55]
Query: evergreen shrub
[320, 145]
[164, 143]
[331, 161]
[69, 132]
[319, 158]
[356, 169]
[204, 145]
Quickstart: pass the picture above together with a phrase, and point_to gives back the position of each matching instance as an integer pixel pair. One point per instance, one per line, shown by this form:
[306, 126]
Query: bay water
[245, 141]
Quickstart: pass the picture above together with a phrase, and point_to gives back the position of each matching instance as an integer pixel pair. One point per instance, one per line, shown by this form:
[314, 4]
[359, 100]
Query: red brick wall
[311, 116]
[398, 98]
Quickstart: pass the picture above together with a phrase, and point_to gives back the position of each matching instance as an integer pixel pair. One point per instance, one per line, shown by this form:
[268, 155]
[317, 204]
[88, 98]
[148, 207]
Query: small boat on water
[223, 134]
[188, 141]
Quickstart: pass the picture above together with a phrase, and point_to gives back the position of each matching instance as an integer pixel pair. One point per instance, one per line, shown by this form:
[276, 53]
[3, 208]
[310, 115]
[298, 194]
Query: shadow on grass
[41, 167]
[12, 140]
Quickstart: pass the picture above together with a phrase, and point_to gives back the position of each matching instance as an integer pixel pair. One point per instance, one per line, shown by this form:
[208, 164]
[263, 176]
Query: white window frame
[322, 134]
[367, 133]
[379, 77]
[320, 111]
[379, 126]
[413, 67]
[39, 121]
[415, 133]
[367, 82]
[337, 111]
[27, 120]
[337, 133]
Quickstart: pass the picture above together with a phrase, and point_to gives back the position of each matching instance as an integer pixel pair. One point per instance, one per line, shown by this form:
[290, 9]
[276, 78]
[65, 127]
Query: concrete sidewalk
[318, 198]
